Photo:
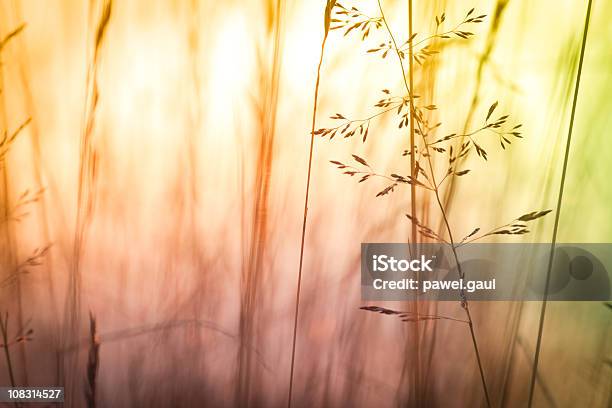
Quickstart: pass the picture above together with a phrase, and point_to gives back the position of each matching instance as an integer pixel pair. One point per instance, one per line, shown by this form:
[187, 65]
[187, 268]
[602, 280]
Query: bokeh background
[164, 167]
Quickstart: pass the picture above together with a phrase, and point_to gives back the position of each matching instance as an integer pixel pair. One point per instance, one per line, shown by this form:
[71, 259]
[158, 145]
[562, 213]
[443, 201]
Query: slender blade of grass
[536, 357]
[328, 10]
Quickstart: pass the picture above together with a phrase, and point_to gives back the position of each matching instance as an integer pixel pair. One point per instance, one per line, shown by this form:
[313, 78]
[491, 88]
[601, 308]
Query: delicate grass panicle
[413, 113]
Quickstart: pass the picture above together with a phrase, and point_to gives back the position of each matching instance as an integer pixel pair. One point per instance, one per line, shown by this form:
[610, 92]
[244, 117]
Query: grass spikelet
[93, 363]
[11, 35]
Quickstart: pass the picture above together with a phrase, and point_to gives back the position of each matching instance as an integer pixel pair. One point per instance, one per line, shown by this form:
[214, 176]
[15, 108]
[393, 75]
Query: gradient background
[173, 207]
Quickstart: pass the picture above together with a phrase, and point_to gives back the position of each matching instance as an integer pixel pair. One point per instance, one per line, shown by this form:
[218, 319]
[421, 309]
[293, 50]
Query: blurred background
[156, 189]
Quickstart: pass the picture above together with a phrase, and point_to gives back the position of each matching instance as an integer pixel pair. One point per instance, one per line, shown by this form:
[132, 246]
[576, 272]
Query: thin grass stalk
[413, 232]
[86, 184]
[464, 302]
[327, 20]
[547, 393]
[536, 357]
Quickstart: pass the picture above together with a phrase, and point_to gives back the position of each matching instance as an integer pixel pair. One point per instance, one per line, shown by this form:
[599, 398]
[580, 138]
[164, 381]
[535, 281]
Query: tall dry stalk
[413, 203]
[86, 191]
[410, 85]
[88, 154]
[326, 27]
[536, 358]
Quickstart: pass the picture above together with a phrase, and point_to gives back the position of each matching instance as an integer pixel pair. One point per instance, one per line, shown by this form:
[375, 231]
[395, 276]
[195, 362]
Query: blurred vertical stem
[413, 174]
[328, 10]
[252, 276]
[536, 357]
[496, 19]
[86, 193]
[413, 232]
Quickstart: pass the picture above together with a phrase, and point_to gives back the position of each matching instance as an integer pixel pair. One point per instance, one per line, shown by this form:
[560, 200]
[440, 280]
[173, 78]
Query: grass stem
[328, 10]
[536, 356]
[413, 231]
